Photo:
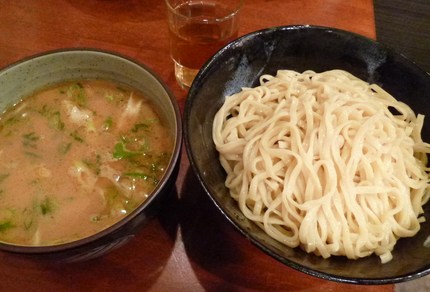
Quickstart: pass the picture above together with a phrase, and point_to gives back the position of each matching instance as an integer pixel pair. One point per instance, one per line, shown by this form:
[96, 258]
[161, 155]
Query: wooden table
[189, 246]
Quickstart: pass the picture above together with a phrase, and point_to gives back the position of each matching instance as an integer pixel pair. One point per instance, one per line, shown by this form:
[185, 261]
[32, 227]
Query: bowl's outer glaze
[300, 48]
[36, 72]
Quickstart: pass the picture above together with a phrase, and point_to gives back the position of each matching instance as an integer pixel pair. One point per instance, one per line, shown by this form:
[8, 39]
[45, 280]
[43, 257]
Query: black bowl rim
[187, 112]
[174, 160]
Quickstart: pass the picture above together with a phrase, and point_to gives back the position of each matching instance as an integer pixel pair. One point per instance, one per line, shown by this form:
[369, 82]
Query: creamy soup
[75, 159]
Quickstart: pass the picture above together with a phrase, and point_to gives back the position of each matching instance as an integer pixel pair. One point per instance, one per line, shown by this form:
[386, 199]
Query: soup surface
[75, 159]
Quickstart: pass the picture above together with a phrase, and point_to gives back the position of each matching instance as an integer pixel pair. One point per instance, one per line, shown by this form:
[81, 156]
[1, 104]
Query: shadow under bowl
[300, 48]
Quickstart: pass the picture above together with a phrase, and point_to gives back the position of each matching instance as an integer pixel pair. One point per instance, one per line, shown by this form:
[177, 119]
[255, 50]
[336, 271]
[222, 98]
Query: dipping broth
[75, 159]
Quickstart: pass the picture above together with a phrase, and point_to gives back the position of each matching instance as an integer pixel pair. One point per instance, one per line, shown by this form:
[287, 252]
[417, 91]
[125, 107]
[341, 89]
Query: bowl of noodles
[90, 151]
[312, 142]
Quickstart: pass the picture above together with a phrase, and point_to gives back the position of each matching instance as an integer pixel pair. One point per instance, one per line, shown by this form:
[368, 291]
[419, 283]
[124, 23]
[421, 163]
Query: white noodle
[325, 161]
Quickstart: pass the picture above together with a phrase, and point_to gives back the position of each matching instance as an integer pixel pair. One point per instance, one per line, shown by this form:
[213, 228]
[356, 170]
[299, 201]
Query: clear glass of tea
[198, 29]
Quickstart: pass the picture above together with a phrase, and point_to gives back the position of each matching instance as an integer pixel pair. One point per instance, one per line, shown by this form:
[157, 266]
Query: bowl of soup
[90, 148]
[296, 134]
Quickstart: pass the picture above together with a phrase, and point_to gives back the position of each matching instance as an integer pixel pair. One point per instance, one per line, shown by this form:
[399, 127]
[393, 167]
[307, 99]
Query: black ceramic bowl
[299, 48]
[26, 76]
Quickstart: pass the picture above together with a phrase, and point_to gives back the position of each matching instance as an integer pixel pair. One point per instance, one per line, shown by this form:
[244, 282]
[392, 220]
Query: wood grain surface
[189, 246]
[405, 27]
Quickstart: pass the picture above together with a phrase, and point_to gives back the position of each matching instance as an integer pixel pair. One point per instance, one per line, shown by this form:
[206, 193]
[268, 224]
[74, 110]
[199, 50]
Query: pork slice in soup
[75, 159]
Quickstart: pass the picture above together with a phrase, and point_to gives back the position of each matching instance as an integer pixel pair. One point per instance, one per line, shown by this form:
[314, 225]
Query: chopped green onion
[94, 165]
[32, 154]
[64, 148]
[6, 225]
[56, 122]
[47, 206]
[143, 126]
[76, 136]
[120, 152]
[77, 92]
[137, 175]
[30, 139]
[107, 124]
[3, 177]
[54, 118]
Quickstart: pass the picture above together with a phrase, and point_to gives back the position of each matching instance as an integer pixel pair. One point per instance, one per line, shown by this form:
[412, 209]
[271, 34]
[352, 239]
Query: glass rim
[232, 12]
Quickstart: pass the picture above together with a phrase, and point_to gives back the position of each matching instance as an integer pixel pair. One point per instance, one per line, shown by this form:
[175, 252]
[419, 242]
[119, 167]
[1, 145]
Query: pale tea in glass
[198, 29]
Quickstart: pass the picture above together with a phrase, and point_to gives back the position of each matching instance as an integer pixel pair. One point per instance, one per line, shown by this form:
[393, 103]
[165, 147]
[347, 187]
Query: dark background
[404, 26]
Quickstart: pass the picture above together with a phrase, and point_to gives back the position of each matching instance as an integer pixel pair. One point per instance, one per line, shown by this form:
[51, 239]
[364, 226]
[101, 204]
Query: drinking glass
[197, 30]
